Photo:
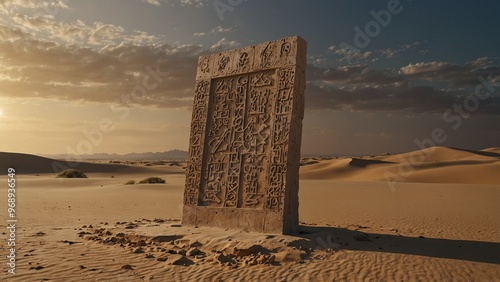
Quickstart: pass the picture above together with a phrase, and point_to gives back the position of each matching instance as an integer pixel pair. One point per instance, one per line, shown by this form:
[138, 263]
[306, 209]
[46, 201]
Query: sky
[117, 76]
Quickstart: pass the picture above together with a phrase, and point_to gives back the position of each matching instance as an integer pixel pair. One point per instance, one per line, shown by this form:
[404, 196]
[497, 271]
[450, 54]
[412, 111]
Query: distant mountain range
[168, 155]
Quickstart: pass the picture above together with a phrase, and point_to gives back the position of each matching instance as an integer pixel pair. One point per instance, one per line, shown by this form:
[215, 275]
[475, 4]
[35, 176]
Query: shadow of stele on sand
[477, 251]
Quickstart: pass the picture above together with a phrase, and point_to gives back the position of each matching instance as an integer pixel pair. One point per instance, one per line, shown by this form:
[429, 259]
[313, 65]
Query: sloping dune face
[431, 165]
[492, 150]
[31, 164]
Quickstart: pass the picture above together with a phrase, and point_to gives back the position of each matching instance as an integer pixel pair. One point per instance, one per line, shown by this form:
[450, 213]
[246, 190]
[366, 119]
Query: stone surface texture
[246, 129]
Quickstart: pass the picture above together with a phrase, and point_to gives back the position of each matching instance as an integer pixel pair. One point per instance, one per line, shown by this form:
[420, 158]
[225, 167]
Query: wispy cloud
[221, 29]
[153, 2]
[78, 32]
[216, 30]
[456, 75]
[194, 3]
[361, 57]
[46, 7]
[223, 44]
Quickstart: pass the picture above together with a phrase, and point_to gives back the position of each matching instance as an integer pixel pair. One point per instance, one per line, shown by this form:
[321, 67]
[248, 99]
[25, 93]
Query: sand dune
[31, 164]
[431, 165]
[492, 150]
[352, 228]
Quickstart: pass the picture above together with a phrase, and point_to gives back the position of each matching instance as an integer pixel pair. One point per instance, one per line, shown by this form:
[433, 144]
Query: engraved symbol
[219, 142]
[243, 61]
[261, 80]
[266, 55]
[286, 48]
[241, 85]
[201, 87]
[215, 183]
[251, 201]
[286, 78]
[204, 65]
[214, 188]
[223, 62]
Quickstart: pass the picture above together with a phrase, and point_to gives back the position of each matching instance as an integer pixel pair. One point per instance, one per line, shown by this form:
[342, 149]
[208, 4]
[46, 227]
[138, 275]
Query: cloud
[153, 2]
[455, 75]
[11, 34]
[45, 26]
[358, 88]
[224, 44]
[351, 76]
[193, 3]
[401, 99]
[43, 7]
[215, 30]
[220, 29]
[358, 56]
[46, 69]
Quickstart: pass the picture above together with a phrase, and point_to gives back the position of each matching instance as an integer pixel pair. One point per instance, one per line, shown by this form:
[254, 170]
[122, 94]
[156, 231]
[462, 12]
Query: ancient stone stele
[246, 129]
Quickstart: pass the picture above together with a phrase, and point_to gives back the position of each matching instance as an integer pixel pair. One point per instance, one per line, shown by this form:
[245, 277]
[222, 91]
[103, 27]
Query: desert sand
[429, 215]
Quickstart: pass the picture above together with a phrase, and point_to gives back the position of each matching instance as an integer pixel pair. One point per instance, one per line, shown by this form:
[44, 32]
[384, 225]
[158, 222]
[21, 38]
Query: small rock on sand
[162, 258]
[138, 251]
[252, 250]
[179, 260]
[127, 266]
[222, 259]
[193, 252]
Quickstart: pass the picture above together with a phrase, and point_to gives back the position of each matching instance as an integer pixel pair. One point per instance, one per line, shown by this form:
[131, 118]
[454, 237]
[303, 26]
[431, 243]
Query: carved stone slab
[246, 129]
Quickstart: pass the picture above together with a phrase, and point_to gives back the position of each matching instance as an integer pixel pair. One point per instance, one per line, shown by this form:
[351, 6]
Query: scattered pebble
[69, 242]
[162, 258]
[127, 266]
[193, 252]
[179, 260]
[138, 251]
